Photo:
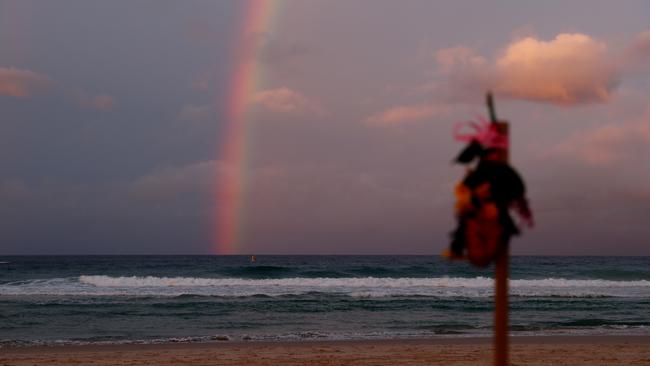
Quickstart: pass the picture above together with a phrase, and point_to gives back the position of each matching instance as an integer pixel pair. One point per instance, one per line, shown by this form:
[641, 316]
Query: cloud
[608, 144]
[204, 81]
[276, 52]
[285, 100]
[569, 69]
[407, 113]
[637, 55]
[454, 58]
[199, 30]
[191, 112]
[22, 83]
[86, 100]
[171, 182]
[103, 101]
[13, 189]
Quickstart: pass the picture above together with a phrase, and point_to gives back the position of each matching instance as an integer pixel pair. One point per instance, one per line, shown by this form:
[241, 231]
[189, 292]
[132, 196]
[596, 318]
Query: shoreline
[437, 340]
[533, 350]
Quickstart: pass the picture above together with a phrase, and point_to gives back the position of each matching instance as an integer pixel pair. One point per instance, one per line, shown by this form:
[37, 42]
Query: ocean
[153, 299]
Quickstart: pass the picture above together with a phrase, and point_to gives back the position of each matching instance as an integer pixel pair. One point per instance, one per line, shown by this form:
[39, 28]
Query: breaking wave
[477, 287]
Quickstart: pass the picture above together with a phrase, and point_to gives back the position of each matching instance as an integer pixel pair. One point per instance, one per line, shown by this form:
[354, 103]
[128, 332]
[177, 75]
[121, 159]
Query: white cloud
[569, 69]
[572, 68]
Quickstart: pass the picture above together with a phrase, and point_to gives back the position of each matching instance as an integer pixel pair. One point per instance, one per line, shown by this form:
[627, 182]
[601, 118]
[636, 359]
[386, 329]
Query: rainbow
[246, 80]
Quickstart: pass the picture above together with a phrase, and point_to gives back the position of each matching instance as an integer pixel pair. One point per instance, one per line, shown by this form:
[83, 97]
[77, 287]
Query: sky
[315, 126]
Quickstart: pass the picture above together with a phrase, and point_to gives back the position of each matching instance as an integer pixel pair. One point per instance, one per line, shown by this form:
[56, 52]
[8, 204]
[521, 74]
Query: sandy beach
[628, 350]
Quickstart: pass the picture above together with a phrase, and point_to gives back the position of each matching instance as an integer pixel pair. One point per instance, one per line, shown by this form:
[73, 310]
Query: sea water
[149, 299]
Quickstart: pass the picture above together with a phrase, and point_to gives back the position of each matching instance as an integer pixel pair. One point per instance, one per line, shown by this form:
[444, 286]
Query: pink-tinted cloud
[637, 55]
[22, 83]
[407, 113]
[609, 144]
[569, 69]
[285, 100]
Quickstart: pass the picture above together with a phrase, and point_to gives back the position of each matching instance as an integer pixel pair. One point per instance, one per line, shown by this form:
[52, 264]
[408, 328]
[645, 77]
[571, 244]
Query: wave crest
[476, 287]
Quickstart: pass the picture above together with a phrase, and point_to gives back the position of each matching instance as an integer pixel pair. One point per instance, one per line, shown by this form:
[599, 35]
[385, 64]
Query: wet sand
[551, 350]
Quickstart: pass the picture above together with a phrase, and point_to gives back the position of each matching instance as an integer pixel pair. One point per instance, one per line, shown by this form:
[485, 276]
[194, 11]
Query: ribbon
[485, 133]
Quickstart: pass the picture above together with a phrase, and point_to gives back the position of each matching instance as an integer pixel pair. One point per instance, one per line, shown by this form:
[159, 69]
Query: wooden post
[501, 309]
[501, 269]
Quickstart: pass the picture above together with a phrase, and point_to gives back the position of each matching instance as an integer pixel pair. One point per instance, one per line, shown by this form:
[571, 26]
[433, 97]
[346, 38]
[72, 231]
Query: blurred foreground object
[486, 194]
[483, 201]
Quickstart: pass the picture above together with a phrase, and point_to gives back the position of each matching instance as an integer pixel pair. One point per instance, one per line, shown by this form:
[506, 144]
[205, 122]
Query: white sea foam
[476, 287]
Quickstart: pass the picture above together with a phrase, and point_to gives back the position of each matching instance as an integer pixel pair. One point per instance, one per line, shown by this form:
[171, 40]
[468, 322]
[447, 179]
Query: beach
[547, 350]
